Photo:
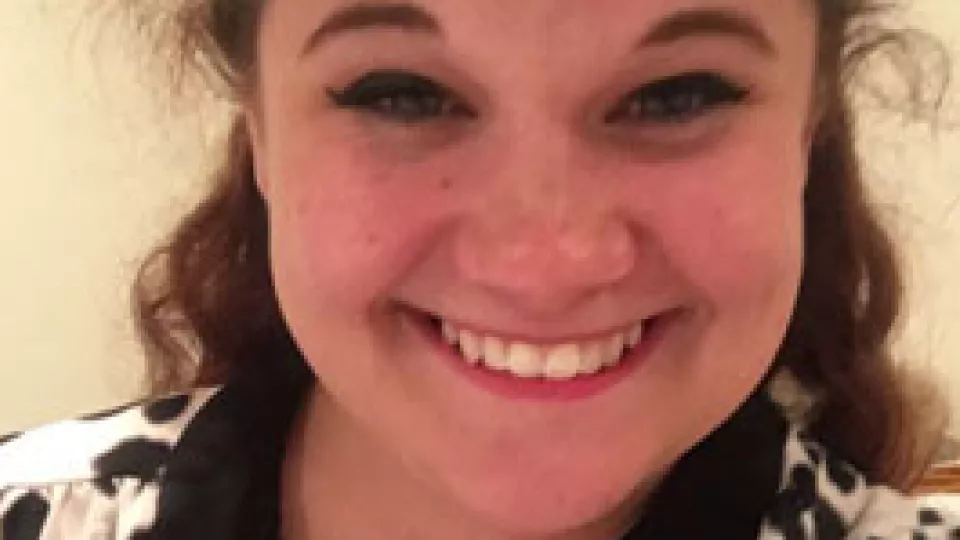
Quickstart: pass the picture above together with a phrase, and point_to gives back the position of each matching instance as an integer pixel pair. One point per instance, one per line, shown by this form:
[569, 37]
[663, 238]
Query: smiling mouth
[544, 361]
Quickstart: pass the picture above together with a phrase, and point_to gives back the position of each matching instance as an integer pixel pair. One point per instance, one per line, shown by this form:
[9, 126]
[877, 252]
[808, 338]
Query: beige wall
[916, 173]
[91, 174]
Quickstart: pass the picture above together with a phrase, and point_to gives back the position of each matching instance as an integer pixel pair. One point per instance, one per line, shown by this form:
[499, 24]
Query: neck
[340, 482]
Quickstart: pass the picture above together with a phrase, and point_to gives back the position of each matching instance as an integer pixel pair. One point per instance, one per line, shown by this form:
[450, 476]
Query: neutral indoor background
[92, 172]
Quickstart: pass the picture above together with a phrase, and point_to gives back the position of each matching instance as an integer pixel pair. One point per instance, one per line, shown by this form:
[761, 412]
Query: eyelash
[407, 98]
[399, 96]
[678, 99]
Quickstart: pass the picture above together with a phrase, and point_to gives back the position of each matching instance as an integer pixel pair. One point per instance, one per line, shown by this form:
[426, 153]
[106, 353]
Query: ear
[253, 122]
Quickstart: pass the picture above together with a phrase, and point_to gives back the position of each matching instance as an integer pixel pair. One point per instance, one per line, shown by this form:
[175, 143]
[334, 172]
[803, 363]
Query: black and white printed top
[198, 466]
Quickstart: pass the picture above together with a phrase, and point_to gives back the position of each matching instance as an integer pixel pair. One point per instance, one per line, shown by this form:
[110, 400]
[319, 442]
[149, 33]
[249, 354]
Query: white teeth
[563, 362]
[470, 346]
[554, 362]
[591, 357]
[525, 361]
[495, 353]
[614, 350]
[635, 335]
[449, 332]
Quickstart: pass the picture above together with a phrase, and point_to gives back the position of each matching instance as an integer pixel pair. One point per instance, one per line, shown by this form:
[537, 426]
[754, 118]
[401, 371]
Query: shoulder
[71, 479]
[130, 440]
[823, 497]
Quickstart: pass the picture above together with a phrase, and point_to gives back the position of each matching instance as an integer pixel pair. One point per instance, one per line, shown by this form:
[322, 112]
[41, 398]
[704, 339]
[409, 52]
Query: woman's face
[536, 182]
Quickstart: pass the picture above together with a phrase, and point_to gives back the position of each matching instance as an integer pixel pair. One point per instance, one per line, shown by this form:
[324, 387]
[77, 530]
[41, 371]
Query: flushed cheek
[733, 237]
[734, 233]
[350, 230]
[735, 250]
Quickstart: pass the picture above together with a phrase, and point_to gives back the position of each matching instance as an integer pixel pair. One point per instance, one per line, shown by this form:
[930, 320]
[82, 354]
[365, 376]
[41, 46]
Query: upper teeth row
[559, 362]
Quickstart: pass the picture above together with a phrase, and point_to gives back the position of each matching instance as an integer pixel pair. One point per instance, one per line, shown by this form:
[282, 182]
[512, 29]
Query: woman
[525, 270]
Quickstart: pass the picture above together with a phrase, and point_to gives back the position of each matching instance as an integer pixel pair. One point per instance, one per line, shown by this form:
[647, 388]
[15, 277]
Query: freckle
[446, 183]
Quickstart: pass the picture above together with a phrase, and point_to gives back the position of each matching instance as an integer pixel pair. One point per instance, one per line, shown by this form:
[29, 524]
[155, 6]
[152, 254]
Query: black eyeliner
[381, 83]
[715, 89]
[375, 92]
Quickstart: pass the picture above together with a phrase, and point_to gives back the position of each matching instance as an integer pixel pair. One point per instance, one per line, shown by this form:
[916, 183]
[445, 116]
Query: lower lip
[513, 387]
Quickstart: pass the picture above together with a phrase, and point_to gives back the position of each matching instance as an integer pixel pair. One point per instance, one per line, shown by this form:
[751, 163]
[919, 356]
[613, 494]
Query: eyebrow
[720, 22]
[368, 15]
[412, 18]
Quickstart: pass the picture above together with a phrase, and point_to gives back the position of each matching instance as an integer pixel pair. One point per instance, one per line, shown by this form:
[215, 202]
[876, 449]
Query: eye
[678, 99]
[400, 97]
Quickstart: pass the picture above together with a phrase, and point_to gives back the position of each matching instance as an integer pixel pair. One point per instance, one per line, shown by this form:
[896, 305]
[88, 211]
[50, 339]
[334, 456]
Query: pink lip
[512, 387]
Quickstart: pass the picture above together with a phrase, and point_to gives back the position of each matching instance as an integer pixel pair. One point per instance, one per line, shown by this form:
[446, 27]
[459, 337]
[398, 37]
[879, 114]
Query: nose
[548, 235]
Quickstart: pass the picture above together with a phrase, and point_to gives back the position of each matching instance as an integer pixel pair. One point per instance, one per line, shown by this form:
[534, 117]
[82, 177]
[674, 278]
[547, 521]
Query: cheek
[730, 229]
[346, 226]
[731, 225]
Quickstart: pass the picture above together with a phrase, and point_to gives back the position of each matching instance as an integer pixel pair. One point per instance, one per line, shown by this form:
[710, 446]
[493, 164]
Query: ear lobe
[252, 124]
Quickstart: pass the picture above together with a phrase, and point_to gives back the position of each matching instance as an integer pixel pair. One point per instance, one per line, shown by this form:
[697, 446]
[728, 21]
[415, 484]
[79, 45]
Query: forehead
[543, 24]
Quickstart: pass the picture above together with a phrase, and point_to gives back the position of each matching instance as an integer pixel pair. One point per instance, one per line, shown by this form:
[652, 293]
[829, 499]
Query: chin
[526, 503]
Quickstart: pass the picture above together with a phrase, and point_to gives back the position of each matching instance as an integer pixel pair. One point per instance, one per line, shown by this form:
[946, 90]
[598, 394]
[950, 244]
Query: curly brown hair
[206, 311]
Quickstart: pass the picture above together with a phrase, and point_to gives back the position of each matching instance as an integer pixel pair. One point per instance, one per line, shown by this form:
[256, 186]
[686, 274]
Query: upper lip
[537, 337]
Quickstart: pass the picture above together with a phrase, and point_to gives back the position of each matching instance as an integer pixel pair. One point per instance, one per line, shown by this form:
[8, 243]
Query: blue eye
[399, 96]
[679, 99]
